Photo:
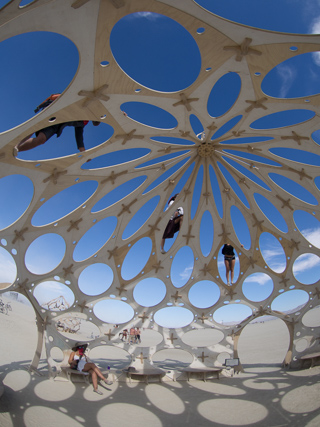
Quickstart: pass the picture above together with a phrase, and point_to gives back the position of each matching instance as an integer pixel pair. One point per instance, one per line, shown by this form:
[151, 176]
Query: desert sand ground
[263, 395]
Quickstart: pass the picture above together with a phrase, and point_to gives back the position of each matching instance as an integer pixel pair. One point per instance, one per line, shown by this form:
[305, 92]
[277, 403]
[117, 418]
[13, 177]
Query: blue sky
[167, 66]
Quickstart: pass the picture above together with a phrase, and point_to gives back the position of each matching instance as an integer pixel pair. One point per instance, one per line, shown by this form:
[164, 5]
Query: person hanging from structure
[43, 135]
[172, 200]
[172, 227]
[80, 362]
[47, 102]
[229, 262]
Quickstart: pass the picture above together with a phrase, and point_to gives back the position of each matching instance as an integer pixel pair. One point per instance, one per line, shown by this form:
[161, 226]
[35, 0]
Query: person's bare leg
[226, 263]
[94, 379]
[162, 244]
[232, 264]
[93, 367]
[97, 371]
[29, 143]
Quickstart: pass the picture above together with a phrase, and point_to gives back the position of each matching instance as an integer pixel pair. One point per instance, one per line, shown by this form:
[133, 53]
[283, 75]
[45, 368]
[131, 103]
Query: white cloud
[149, 15]
[312, 235]
[259, 278]
[306, 262]
[315, 26]
[185, 274]
[287, 75]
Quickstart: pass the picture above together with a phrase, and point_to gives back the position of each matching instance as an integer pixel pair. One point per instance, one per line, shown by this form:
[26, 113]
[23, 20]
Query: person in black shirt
[229, 262]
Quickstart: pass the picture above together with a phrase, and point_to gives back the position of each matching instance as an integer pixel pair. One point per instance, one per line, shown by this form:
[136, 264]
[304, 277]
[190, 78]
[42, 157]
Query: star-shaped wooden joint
[285, 203]
[154, 227]
[205, 269]
[212, 127]
[23, 285]
[244, 182]
[294, 244]
[54, 176]
[172, 339]
[157, 266]
[243, 49]
[184, 134]
[284, 280]
[252, 261]
[176, 296]
[19, 235]
[109, 334]
[230, 292]
[83, 305]
[141, 358]
[170, 183]
[185, 101]
[261, 311]
[129, 136]
[188, 236]
[121, 289]
[257, 223]
[166, 150]
[113, 176]
[112, 252]
[202, 318]
[224, 233]
[238, 133]
[74, 224]
[297, 138]
[126, 208]
[202, 357]
[206, 195]
[256, 104]
[67, 271]
[301, 173]
[96, 95]
[143, 317]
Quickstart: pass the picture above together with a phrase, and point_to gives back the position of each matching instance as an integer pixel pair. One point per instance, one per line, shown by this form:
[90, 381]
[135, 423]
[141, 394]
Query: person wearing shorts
[79, 361]
[43, 135]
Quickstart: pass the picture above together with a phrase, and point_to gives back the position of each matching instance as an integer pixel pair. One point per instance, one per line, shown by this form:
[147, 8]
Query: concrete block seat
[144, 373]
[312, 358]
[201, 372]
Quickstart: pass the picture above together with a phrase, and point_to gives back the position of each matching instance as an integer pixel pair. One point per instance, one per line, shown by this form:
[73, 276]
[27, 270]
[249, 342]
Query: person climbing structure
[172, 227]
[43, 135]
[229, 261]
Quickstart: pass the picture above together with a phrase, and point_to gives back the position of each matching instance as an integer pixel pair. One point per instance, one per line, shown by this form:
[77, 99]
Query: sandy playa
[264, 395]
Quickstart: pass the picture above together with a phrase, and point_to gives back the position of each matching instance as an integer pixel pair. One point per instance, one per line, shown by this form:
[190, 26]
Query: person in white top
[79, 361]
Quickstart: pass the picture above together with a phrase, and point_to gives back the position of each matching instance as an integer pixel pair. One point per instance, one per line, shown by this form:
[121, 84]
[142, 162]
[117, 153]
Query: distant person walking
[138, 336]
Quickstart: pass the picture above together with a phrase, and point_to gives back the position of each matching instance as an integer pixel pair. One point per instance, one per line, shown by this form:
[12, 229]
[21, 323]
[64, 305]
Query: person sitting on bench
[79, 361]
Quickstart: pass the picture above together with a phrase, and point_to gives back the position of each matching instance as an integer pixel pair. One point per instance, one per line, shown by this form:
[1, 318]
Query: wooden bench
[309, 357]
[68, 371]
[202, 372]
[144, 373]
